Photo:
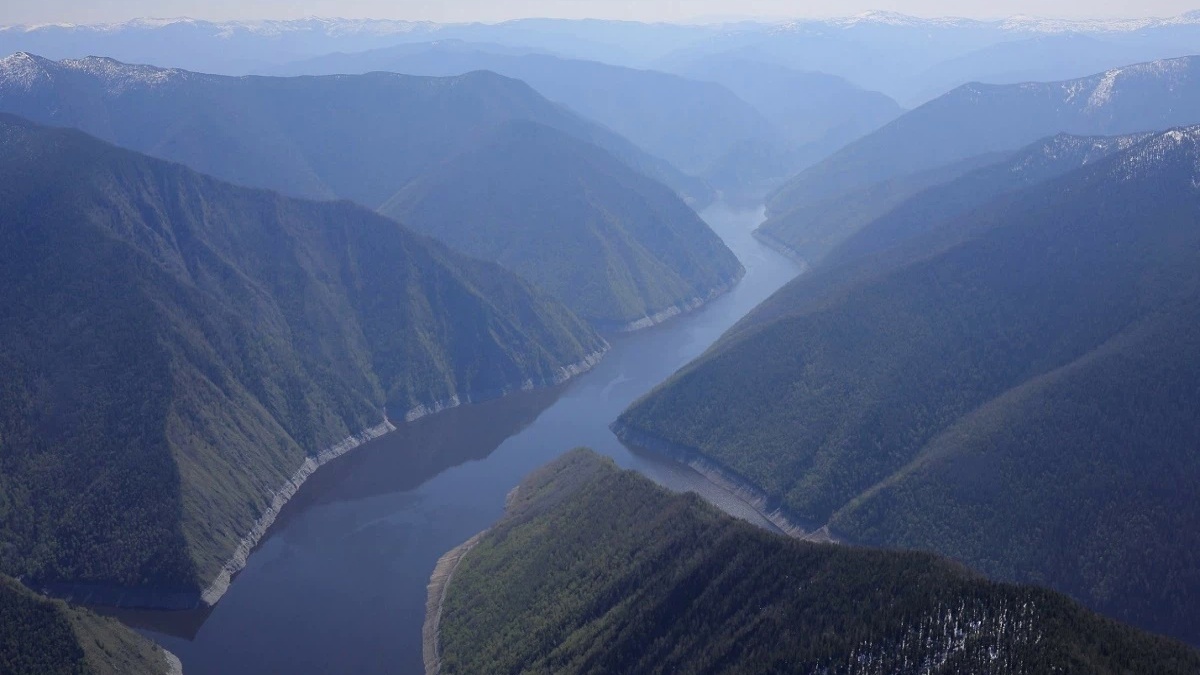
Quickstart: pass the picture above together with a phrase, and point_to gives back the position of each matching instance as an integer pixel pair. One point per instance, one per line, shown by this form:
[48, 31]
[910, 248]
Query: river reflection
[338, 585]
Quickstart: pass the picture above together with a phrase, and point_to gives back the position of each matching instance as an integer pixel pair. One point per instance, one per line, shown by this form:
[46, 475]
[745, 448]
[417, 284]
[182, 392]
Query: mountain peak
[24, 69]
[1170, 150]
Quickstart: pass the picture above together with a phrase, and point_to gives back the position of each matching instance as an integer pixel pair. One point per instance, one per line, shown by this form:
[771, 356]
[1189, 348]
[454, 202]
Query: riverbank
[677, 310]
[728, 480]
[237, 562]
[777, 245]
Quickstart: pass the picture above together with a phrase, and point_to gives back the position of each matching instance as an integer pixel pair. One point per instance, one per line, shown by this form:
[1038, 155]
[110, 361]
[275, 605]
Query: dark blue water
[339, 583]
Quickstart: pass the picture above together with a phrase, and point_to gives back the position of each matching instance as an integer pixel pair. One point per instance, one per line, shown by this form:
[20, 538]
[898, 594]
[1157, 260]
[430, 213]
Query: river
[338, 584]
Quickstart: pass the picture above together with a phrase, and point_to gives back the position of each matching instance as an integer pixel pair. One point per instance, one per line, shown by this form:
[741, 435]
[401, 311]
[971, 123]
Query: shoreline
[237, 562]
[181, 599]
[439, 585]
[773, 243]
[677, 310]
[728, 480]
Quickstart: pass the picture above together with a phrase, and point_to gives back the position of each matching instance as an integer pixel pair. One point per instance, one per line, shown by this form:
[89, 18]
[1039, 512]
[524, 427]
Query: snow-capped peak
[24, 70]
[1180, 146]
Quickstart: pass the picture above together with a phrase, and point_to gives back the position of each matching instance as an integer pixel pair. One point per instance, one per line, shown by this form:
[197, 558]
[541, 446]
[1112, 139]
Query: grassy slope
[845, 378]
[176, 346]
[612, 245]
[599, 570]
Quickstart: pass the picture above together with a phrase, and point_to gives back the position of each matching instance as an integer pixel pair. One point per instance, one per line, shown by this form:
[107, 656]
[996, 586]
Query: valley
[352, 553]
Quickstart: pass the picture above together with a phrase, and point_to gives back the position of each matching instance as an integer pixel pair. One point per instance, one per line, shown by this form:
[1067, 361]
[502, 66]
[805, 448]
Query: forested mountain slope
[698, 126]
[998, 343]
[178, 351]
[973, 120]
[598, 570]
[48, 637]
[617, 248]
[361, 137]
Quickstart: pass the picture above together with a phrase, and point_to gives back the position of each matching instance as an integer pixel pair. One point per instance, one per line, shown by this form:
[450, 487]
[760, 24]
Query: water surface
[339, 583]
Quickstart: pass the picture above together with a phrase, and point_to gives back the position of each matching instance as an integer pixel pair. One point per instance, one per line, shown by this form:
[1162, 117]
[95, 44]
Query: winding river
[338, 585]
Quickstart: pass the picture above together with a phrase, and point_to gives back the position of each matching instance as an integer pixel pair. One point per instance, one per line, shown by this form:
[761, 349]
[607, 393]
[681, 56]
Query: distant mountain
[1030, 362]
[1051, 57]
[617, 248]
[180, 354]
[894, 53]
[810, 107]
[972, 121]
[51, 638]
[698, 126]
[361, 138]
[241, 47]
[594, 569]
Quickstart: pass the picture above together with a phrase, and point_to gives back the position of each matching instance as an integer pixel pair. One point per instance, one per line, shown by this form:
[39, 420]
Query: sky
[91, 11]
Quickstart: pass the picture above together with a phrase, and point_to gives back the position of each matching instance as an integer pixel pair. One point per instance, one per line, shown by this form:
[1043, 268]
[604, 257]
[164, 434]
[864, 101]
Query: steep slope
[617, 248]
[843, 379]
[976, 120]
[181, 353]
[599, 570]
[698, 126]
[924, 213]
[360, 138]
[49, 637]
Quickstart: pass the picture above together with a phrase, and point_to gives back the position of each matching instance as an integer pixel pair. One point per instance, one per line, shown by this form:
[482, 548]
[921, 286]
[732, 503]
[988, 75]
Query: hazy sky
[88, 11]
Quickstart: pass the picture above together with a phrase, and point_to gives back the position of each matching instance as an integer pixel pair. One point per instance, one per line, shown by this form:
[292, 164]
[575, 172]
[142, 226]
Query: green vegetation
[174, 348]
[609, 243]
[48, 637]
[1014, 387]
[598, 570]
[852, 187]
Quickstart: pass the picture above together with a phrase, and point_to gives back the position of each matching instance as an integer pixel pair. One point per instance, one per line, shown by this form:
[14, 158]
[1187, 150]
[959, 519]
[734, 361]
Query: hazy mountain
[51, 638]
[810, 107]
[1032, 362]
[617, 248]
[361, 138]
[892, 53]
[594, 569]
[180, 353]
[971, 121]
[1044, 58]
[692, 124]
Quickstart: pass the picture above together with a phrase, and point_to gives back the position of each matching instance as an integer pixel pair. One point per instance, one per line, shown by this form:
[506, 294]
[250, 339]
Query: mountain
[594, 569]
[1031, 361]
[243, 47]
[975, 120]
[618, 249]
[49, 637]
[810, 107]
[924, 212]
[1048, 57]
[180, 354]
[698, 126]
[361, 138]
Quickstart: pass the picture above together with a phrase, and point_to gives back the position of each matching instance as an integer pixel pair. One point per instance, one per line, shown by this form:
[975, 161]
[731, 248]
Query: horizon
[710, 13]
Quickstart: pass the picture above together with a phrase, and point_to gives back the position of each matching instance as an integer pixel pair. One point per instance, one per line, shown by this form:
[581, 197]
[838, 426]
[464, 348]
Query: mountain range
[694, 125]
[379, 139]
[182, 353]
[594, 569]
[957, 132]
[1028, 361]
